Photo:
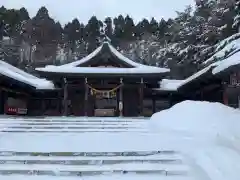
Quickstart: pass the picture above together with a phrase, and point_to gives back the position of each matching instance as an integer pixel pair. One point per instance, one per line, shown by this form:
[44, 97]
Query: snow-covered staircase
[72, 147]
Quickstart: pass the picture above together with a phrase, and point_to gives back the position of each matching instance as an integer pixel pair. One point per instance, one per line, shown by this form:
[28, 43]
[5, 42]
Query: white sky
[66, 10]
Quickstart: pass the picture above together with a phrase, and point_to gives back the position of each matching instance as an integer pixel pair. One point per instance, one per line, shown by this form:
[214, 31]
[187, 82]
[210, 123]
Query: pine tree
[23, 13]
[1, 29]
[93, 33]
[129, 29]
[236, 24]
[154, 29]
[108, 30]
[142, 28]
[59, 32]
[162, 29]
[43, 33]
[119, 23]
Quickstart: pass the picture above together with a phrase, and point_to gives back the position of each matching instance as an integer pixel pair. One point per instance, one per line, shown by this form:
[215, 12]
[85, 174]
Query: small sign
[120, 106]
[235, 79]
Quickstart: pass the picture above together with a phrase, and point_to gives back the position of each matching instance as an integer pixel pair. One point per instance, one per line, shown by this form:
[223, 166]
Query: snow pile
[207, 134]
[19, 75]
[198, 119]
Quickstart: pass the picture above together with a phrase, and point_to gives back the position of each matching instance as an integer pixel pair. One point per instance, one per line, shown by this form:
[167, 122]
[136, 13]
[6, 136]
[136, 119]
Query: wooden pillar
[141, 94]
[65, 98]
[4, 101]
[43, 106]
[153, 105]
[225, 95]
[86, 98]
[59, 102]
[1, 101]
[120, 104]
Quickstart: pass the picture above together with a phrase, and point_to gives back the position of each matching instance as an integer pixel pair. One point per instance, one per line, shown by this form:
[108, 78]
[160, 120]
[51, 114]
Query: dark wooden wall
[77, 102]
[2, 101]
[131, 101]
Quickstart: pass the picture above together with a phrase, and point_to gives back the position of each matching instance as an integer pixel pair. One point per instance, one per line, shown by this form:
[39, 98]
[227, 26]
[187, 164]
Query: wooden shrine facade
[105, 83]
[104, 97]
[128, 97]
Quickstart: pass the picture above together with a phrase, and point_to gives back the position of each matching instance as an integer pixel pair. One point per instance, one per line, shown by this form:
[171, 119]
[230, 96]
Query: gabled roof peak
[107, 47]
[106, 39]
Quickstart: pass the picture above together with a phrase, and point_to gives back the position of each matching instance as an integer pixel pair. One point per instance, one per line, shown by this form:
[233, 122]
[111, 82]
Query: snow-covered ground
[69, 148]
[207, 134]
[190, 141]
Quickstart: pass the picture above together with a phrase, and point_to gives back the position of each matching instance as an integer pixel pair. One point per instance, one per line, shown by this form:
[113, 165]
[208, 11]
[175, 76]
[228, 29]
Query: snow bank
[207, 134]
[198, 119]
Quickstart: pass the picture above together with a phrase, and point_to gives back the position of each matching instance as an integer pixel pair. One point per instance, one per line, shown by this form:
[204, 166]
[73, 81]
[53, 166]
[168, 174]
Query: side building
[218, 82]
[18, 89]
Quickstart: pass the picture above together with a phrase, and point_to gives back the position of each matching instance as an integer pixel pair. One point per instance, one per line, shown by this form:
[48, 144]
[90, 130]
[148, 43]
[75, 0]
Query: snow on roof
[103, 70]
[216, 67]
[226, 63]
[98, 50]
[232, 60]
[174, 85]
[73, 67]
[123, 58]
[19, 75]
[170, 84]
[229, 45]
[197, 75]
[83, 60]
[6, 38]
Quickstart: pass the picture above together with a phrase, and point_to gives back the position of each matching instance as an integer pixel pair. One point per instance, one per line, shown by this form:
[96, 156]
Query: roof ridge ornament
[105, 38]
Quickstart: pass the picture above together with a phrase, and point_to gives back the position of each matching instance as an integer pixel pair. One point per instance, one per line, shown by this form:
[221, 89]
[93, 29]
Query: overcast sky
[66, 10]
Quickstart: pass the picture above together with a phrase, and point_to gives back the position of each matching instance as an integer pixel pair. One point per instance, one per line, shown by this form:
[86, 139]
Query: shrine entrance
[106, 101]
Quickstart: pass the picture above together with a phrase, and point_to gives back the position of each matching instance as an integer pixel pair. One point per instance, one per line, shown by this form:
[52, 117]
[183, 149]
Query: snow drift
[207, 134]
[199, 120]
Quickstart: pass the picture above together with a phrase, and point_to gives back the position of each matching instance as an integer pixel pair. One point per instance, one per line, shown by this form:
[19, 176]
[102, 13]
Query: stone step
[90, 162]
[74, 127]
[9, 130]
[161, 156]
[101, 177]
[73, 173]
[10, 123]
[69, 170]
[99, 160]
[59, 120]
[129, 154]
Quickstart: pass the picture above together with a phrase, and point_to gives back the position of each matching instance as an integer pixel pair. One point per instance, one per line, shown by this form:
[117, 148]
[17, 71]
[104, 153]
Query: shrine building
[104, 83]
